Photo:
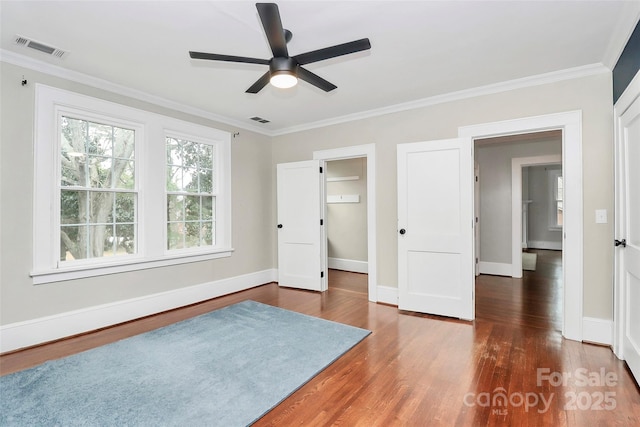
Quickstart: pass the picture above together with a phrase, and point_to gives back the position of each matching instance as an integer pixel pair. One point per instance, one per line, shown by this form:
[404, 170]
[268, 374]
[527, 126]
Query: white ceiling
[420, 49]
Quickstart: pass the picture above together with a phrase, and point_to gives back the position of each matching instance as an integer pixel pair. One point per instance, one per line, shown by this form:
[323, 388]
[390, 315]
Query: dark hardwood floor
[422, 370]
[534, 301]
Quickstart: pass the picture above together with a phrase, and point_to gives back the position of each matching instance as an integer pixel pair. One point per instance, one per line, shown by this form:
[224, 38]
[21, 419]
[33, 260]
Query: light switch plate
[601, 216]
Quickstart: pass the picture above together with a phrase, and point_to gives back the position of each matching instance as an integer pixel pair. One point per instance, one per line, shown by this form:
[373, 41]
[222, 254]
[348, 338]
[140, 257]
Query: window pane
[101, 207]
[192, 236]
[123, 143]
[73, 242]
[559, 189]
[125, 207]
[100, 241]
[192, 208]
[190, 180]
[174, 156]
[207, 208]
[175, 235]
[206, 181]
[175, 207]
[207, 233]
[125, 172]
[174, 178]
[100, 172]
[205, 157]
[125, 239]
[100, 139]
[73, 207]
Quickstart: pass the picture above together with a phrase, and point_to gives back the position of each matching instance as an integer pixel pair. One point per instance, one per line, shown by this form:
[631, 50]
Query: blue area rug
[224, 368]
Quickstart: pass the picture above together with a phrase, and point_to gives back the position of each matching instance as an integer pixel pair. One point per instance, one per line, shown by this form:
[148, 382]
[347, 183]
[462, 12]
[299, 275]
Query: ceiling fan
[284, 70]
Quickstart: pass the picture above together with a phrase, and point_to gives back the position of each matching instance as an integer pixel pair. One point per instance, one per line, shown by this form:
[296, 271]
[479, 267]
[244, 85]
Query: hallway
[535, 300]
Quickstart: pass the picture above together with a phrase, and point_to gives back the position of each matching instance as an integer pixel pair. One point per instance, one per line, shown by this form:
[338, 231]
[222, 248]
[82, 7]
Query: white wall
[590, 94]
[495, 192]
[21, 300]
[540, 236]
[347, 222]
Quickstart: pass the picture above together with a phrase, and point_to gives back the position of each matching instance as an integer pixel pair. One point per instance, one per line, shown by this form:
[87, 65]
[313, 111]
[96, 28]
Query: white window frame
[151, 129]
[552, 176]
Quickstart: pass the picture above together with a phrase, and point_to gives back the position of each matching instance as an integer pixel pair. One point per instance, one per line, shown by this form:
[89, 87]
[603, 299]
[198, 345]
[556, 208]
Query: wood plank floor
[421, 370]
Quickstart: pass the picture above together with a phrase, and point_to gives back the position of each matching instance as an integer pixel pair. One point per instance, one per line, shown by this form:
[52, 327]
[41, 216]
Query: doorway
[570, 124]
[366, 152]
[346, 223]
[521, 277]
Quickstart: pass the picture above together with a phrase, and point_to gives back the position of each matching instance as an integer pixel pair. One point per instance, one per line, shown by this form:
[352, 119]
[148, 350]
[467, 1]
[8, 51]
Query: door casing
[572, 266]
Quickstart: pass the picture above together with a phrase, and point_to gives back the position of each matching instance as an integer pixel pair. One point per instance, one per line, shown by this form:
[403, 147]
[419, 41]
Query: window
[128, 189]
[98, 197]
[556, 199]
[191, 197]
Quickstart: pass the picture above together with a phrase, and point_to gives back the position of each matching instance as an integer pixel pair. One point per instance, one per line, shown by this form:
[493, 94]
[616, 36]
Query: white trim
[349, 265]
[37, 331]
[540, 79]
[517, 164]
[599, 331]
[150, 128]
[536, 80]
[541, 244]
[74, 76]
[388, 295]
[61, 275]
[572, 258]
[495, 268]
[369, 152]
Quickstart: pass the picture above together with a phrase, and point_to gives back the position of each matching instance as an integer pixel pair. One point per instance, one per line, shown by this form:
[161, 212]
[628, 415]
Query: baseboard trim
[541, 244]
[495, 268]
[37, 331]
[388, 295]
[349, 265]
[599, 331]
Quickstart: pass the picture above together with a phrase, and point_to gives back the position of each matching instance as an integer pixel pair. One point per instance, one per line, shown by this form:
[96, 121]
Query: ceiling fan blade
[228, 58]
[315, 80]
[333, 51]
[260, 83]
[270, 17]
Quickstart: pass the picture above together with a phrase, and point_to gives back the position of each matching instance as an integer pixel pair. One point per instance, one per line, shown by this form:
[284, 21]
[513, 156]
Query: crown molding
[540, 79]
[64, 73]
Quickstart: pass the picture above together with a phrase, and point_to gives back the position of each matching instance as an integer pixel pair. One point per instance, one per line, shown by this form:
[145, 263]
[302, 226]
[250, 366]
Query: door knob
[279, 225]
[402, 231]
[622, 242]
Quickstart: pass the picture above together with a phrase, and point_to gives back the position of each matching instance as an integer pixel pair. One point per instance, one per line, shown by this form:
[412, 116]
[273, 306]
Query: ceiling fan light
[283, 79]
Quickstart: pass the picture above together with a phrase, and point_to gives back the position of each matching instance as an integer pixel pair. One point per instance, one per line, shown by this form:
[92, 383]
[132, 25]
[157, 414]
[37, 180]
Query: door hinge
[320, 169]
[321, 274]
[321, 222]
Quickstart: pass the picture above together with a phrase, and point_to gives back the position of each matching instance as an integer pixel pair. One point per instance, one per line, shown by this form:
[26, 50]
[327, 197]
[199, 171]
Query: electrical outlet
[601, 216]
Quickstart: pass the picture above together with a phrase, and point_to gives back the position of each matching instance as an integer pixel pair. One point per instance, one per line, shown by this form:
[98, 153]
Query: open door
[300, 225]
[627, 252]
[436, 224]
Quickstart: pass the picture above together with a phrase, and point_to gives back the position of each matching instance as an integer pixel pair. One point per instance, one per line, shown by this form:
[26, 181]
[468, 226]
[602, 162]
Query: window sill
[80, 272]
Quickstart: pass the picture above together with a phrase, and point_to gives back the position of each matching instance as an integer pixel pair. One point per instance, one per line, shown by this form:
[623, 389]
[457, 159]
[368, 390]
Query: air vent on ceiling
[260, 119]
[49, 50]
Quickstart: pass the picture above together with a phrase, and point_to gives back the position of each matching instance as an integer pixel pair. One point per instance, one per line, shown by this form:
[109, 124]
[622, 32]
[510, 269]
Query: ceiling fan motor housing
[279, 65]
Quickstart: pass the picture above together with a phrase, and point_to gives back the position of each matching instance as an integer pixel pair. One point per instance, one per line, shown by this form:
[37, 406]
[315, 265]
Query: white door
[300, 207]
[628, 251]
[436, 224]
[476, 208]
